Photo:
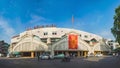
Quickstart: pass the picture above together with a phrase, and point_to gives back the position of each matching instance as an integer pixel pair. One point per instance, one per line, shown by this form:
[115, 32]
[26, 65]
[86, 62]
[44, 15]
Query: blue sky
[94, 16]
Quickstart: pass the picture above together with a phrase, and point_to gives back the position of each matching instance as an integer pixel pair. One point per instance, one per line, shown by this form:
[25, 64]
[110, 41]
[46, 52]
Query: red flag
[73, 41]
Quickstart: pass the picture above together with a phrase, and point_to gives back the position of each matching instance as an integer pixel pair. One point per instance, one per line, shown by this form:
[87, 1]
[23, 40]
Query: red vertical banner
[73, 41]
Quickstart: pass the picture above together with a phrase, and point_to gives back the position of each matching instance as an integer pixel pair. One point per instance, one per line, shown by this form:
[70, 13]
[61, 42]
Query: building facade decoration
[73, 41]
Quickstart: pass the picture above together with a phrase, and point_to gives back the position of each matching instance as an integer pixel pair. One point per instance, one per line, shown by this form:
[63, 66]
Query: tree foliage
[117, 50]
[116, 26]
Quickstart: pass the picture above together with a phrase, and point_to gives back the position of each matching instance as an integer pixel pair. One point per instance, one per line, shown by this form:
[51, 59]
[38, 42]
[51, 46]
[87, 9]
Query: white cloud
[106, 34]
[18, 22]
[96, 20]
[36, 19]
[99, 17]
[6, 29]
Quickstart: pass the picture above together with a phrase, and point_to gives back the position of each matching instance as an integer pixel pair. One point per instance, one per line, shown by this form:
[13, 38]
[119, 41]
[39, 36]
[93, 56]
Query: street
[91, 62]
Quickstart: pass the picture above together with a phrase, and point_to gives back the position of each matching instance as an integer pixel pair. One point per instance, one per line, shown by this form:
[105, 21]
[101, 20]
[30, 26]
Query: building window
[80, 35]
[44, 40]
[86, 36]
[54, 33]
[53, 40]
[93, 40]
[45, 33]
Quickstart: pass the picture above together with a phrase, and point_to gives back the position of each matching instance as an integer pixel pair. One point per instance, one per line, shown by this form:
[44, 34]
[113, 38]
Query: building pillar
[81, 53]
[52, 50]
[48, 41]
[85, 53]
[78, 54]
[32, 54]
[95, 52]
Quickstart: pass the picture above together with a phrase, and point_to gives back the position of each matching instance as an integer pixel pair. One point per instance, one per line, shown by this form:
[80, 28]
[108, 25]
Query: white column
[32, 54]
[48, 41]
[78, 54]
[52, 50]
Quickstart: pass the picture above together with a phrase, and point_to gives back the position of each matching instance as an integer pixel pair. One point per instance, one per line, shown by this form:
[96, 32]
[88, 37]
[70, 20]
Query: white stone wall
[60, 32]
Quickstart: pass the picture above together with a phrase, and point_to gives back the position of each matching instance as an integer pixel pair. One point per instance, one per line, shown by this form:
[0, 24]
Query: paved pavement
[91, 62]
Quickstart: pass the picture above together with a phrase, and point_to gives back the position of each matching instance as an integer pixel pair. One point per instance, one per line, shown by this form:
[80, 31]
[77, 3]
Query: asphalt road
[91, 62]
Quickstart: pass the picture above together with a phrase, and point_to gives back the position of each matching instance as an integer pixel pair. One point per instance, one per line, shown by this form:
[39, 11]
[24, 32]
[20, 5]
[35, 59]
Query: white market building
[57, 40]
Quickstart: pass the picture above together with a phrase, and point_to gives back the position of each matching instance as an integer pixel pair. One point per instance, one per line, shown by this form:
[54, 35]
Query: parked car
[44, 56]
[99, 55]
[59, 56]
[1, 55]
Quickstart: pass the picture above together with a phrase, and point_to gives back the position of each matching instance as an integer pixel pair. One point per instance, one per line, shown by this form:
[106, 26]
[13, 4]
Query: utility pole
[72, 21]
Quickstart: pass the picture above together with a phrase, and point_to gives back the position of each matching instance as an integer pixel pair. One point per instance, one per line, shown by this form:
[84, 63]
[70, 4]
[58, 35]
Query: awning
[16, 53]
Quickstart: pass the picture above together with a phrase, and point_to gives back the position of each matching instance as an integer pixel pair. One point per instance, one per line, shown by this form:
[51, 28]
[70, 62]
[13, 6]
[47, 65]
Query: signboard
[73, 41]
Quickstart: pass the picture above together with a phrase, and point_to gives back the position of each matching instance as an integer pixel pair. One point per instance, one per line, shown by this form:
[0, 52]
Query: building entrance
[73, 53]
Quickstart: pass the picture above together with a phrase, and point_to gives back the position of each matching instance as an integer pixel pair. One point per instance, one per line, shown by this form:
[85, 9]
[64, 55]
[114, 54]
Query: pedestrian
[38, 56]
[86, 56]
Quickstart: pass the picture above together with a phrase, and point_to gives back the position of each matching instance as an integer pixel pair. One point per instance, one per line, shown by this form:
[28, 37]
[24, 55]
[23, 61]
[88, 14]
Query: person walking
[38, 56]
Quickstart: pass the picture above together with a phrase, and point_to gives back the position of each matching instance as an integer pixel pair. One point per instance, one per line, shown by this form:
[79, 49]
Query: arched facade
[62, 46]
[56, 40]
[30, 44]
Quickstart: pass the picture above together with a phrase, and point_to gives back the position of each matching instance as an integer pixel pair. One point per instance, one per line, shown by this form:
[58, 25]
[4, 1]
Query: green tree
[116, 27]
[117, 49]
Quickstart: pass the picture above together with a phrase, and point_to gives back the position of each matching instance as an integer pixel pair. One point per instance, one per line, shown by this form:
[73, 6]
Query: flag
[73, 41]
